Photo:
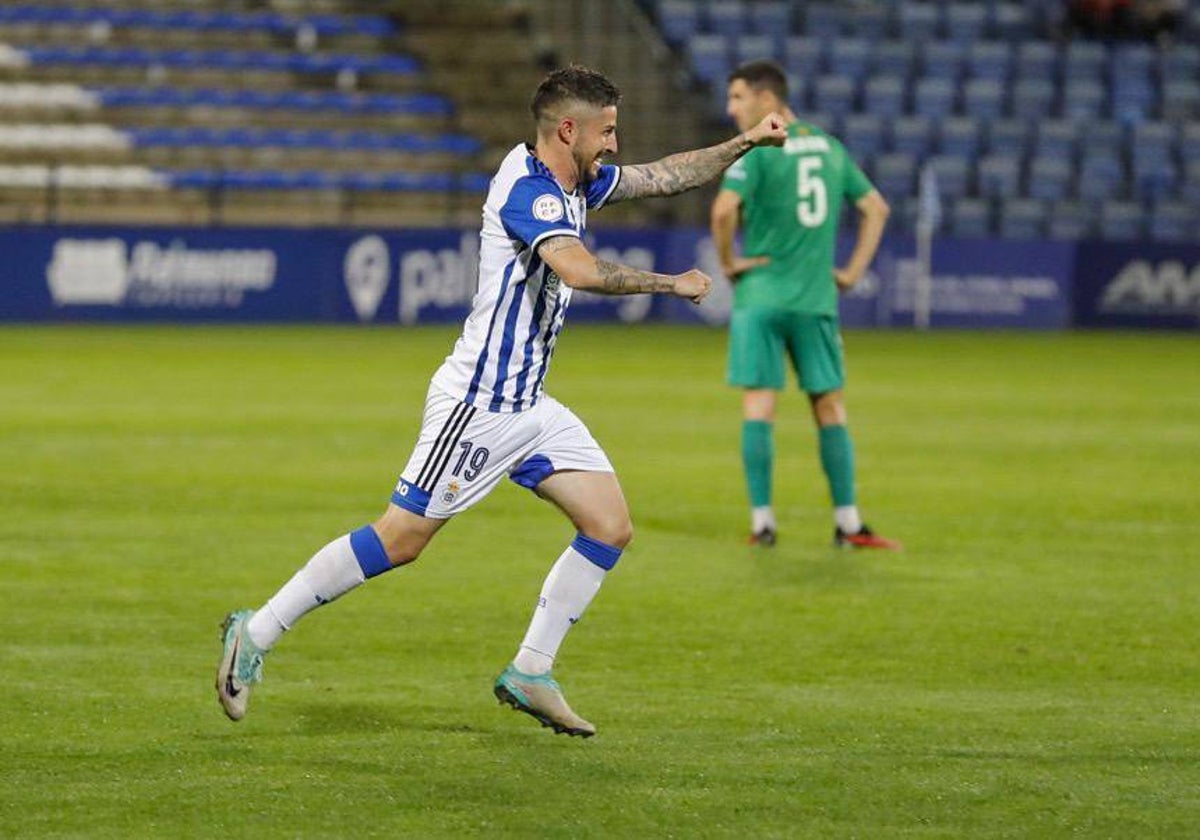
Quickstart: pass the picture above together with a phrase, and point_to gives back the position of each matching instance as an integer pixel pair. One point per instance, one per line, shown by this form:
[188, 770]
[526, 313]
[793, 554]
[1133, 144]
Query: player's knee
[404, 536]
[616, 531]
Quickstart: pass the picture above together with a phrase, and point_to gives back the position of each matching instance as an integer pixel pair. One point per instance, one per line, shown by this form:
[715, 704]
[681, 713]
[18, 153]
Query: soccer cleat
[241, 665]
[764, 538]
[540, 697]
[865, 538]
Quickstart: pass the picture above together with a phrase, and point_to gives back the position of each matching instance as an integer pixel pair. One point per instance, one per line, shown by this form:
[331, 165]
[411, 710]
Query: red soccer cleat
[865, 538]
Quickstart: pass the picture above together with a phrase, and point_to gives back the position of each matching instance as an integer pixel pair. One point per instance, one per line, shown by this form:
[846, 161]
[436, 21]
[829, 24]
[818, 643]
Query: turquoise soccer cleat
[241, 665]
[540, 697]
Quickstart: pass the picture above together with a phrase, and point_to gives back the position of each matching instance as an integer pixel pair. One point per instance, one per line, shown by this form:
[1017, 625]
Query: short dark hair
[574, 82]
[763, 75]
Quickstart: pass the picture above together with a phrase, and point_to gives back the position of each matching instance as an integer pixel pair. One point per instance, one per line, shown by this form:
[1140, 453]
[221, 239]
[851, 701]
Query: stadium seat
[1055, 138]
[867, 20]
[770, 17]
[755, 47]
[833, 95]
[959, 136]
[1023, 218]
[1085, 60]
[1033, 98]
[989, 60]
[942, 59]
[966, 22]
[1121, 220]
[885, 96]
[1007, 136]
[970, 218]
[919, 22]
[894, 175]
[1152, 143]
[1155, 179]
[1100, 175]
[998, 176]
[823, 20]
[849, 57]
[1180, 99]
[863, 135]
[934, 97]
[1132, 60]
[953, 175]
[804, 56]
[1083, 99]
[1173, 221]
[1134, 99]
[894, 58]
[1179, 62]
[1010, 21]
[912, 135]
[679, 20]
[709, 56]
[1038, 60]
[1189, 141]
[727, 17]
[983, 98]
[1071, 220]
[1049, 178]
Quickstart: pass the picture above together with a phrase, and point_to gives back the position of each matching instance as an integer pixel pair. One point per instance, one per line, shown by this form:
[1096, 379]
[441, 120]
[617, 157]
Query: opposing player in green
[787, 201]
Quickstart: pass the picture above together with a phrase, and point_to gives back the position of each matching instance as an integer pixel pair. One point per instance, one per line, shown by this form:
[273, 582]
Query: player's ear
[567, 130]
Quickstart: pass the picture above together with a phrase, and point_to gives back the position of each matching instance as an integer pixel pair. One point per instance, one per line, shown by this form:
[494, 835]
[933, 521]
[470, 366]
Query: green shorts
[759, 337]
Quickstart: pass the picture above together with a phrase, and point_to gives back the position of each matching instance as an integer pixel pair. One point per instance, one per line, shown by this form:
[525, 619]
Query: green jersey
[791, 199]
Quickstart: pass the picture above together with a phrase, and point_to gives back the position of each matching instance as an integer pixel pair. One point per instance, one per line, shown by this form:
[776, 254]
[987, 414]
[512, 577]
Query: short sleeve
[535, 211]
[600, 189]
[856, 183]
[739, 177]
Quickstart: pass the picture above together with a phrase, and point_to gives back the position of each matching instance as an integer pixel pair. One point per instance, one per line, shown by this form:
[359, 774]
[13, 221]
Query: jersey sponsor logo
[548, 208]
[1143, 288]
[803, 145]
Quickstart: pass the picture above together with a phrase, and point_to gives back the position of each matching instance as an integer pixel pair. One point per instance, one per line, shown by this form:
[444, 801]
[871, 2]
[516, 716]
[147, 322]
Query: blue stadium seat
[863, 135]
[867, 20]
[1049, 178]
[1083, 99]
[998, 176]
[1122, 220]
[823, 20]
[912, 135]
[1037, 60]
[804, 56]
[970, 218]
[727, 17]
[1033, 98]
[966, 22]
[919, 22]
[934, 97]
[884, 95]
[1101, 175]
[1180, 99]
[989, 60]
[1023, 218]
[983, 98]
[850, 57]
[1134, 99]
[1189, 141]
[1055, 138]
[1071, 220]
[770, 17]
[1152, 142]
[953, 175]
[1011, 21]
[1155, 179]
[894, 175]
[894, 58]
[960, 136]
[942, 59]
[754, 47]
[1133, 60]
[1007, 136]
[709, 55]
[1180, 61]
[834, 95]
[679, 20]
[1173, 221]
[1085, 60]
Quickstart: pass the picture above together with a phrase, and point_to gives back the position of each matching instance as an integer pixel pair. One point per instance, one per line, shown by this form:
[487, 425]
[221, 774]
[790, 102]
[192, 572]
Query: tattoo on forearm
[679, 173]
[616, 279]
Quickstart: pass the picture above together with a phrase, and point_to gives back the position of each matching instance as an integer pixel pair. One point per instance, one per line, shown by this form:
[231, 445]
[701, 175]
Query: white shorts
[464, 451]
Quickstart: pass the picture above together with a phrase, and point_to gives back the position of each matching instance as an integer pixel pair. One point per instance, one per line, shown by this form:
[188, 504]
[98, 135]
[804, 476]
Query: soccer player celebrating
[487, 414]
[785, 289]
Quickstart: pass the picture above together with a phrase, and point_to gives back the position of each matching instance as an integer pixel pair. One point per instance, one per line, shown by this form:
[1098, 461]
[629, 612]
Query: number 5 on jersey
[813, 204]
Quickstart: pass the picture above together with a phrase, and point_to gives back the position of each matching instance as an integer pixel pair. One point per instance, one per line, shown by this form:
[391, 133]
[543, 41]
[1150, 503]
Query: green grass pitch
[1028, 667]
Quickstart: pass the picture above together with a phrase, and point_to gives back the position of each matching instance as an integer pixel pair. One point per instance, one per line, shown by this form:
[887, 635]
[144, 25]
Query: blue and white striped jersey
[499, 362]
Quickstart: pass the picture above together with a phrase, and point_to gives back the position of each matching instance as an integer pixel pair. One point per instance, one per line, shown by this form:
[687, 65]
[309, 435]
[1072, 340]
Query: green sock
[837, 459]
[758, 454]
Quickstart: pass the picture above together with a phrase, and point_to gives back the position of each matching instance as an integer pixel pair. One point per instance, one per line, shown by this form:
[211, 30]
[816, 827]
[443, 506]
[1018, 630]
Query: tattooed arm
[687, 170]
[580, 269]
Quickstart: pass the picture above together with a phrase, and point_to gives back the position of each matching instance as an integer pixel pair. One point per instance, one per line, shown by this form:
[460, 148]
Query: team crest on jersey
[451, 492]
[547, 208]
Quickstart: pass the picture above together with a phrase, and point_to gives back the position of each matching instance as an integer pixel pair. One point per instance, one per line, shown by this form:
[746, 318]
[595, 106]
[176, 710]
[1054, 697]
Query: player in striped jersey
[487, 415]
